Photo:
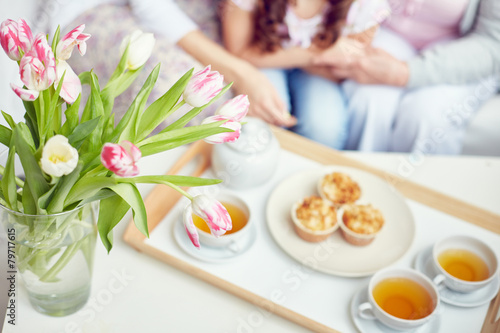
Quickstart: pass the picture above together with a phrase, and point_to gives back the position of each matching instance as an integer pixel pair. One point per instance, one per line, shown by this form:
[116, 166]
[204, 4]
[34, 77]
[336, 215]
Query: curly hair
[269, 15]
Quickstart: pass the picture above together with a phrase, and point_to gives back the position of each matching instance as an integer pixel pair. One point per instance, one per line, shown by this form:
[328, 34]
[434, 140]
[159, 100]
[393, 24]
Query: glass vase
[54, 256]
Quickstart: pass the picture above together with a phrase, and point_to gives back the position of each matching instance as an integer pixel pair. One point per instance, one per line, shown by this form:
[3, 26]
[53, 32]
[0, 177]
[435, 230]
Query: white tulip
[58, 157]
[140, 48]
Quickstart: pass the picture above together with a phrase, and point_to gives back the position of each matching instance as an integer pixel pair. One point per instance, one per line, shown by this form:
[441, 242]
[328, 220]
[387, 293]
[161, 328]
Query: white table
[132, 292]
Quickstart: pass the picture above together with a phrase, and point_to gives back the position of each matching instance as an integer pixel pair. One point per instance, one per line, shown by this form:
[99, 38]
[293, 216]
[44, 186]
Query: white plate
[335, 256]
[211, 254]
[423, 263]
[375, 326]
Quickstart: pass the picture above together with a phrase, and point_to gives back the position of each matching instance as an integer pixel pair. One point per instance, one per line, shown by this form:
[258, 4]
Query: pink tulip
[235, 109]
[37, 69]
[203, 86]
[190, 227]
[73, 38]
[226, 136]
[25, 94]
[72, 87]
[212, 212]
[121, 158]
[14, 36]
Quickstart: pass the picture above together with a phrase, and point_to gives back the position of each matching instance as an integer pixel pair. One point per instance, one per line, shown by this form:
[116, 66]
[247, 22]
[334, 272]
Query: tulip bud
[140, 47]
[202, 87]
[14, 36]
[73, 38]
[213, 213]
[58, 157]
[190, 227]
[226, 136]
[235, 109]
[121, 158]
[38, 66]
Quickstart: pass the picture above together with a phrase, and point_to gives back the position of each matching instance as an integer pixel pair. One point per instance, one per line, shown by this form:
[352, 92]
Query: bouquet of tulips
[72, 153]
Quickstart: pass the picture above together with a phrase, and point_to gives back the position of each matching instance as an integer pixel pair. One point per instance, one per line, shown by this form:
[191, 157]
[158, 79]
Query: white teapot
[251, 160]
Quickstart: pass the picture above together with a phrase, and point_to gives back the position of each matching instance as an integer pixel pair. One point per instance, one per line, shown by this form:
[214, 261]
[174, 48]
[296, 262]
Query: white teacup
[234, 240]
[470, 244]
[372, 311]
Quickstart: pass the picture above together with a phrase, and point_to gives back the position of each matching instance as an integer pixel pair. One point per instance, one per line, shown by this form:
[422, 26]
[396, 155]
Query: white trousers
[430, 120]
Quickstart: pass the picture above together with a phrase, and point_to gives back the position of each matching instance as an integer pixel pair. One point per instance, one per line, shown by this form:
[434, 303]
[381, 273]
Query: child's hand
[344, 51]
[265, 102]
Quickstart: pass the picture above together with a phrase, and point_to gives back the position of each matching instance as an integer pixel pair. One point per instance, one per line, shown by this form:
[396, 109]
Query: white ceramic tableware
[251, 160]
[473, 245]
[342, 258]
[372, 311]
[229, 241]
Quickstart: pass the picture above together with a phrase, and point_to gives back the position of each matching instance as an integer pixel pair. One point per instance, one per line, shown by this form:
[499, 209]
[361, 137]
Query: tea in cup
[400, 298]
[464, 263]
[240, 217]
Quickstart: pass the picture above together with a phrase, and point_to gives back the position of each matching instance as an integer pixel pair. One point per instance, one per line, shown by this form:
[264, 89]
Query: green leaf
[29, 204]
[9, 188]
[84, 78]
[82, 131]
[71, 118]
[33, 173]
[87, 187]
[132, 196]
[9, 120]
[30, 117]
[122, 65]
[65, 185]
[181, 122]
[5, 135]
[100, 195]
[159, 110]
[55, 40]
[111, 212]
[161, 146]
[181, 133]
[95, 110]
[132, 116]
[46, 114]
[171, 179]
[44, 200]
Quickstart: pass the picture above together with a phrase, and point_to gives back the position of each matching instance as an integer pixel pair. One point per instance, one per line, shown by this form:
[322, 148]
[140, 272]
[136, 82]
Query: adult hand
[343, 52]
[376, 67]
[265, 102]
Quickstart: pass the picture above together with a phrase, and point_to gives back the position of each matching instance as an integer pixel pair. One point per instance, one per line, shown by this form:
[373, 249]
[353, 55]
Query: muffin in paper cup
[314, 218]
[338, 188]
[360, 224]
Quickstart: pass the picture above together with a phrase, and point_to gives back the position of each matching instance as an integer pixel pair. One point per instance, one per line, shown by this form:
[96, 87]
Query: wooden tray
[162, 199]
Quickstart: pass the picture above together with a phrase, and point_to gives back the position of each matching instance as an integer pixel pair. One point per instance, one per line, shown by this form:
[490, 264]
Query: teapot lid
[255, 136]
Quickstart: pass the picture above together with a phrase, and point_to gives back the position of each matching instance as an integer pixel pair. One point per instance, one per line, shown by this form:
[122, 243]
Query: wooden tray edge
[322, 154]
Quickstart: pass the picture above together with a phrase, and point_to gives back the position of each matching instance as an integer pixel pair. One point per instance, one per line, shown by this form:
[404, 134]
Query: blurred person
[284, 36]
[180, 45]
[432, 65]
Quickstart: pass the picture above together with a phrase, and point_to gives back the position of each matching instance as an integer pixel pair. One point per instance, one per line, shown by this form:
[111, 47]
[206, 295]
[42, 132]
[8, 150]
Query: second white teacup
[400, 298]
[233, 239]
[469, 263]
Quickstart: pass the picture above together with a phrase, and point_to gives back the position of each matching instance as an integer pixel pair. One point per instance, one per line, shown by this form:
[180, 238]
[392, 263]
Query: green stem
[41, 119]
[180, 190]
[61, 262]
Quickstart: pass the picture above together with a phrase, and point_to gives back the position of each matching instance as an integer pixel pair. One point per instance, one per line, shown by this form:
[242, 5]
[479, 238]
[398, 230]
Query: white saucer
[423, 263]
[208, 253]
[375, 326]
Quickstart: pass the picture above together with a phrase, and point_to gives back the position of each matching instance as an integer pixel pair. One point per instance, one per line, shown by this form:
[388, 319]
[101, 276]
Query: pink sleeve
[246, 5]
[365, 14]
